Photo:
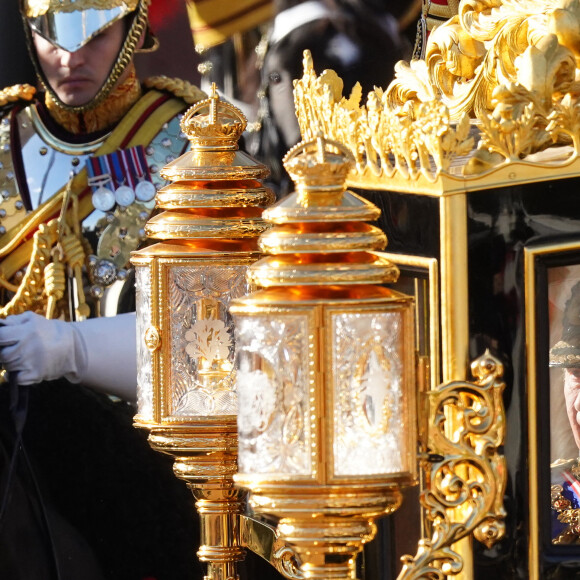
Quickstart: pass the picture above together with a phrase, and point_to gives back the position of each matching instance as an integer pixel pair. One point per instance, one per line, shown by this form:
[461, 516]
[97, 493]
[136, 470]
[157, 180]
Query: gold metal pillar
[455, 320]
[454, 287]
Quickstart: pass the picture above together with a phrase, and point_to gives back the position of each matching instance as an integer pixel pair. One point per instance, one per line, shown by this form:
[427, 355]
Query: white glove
[100, 352]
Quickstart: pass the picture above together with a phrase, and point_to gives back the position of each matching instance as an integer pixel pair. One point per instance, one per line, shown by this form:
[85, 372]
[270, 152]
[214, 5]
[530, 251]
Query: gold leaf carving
[513, 128]
[564, 120]
[415, 138]
[498, 83]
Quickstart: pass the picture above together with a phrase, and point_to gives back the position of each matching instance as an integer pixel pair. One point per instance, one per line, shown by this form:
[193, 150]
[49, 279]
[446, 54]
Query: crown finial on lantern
[213, 124]
[319, 165]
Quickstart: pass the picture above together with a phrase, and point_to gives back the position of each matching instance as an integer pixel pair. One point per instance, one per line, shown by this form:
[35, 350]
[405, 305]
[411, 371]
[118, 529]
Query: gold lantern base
[205, 458]
[325, 526]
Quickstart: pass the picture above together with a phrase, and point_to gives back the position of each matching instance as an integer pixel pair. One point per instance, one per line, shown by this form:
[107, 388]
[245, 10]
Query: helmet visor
[72, 30]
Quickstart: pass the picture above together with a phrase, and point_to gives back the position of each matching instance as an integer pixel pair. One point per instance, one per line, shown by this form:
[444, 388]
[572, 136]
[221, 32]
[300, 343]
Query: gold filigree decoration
[509, 68]
[464, 489]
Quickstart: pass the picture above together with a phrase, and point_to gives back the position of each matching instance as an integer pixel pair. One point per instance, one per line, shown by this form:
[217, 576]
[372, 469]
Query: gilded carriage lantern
[325, 372]
[207, 230]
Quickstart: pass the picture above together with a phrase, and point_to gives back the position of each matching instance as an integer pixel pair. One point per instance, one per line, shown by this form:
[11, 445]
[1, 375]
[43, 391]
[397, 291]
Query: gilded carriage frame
[419, 277]
[424, 275]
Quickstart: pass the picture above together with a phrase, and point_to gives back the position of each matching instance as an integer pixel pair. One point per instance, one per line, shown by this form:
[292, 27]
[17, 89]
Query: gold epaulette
[16, 93]
[180, 88]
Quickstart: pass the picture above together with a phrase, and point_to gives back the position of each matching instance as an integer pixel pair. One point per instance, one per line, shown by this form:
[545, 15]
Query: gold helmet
[70, 24]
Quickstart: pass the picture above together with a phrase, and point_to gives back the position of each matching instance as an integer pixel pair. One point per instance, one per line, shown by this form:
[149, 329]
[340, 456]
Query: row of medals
[105, 198]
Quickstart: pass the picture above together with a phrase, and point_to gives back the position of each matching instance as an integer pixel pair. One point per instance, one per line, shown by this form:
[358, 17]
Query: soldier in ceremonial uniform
[79, 167]
[81, 493]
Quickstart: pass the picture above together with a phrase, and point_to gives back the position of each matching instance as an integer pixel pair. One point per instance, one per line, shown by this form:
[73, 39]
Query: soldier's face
[76, 77]
[572, 395]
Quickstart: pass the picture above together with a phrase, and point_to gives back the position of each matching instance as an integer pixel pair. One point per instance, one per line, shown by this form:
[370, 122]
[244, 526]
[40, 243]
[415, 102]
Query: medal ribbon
[118, 173]
[128, 165]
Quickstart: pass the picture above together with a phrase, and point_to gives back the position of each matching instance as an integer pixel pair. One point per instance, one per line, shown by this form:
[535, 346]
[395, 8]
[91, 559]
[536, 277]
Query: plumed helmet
[70, 24]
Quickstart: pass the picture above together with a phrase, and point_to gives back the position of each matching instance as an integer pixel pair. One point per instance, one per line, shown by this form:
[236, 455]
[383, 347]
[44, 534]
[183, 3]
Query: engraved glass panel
[273, 389]
[368, 409]
[202, 339]
[144, 356]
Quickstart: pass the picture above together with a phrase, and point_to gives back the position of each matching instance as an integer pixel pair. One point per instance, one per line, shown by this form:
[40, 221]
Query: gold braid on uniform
[56, 247]
[106, 114]
[29, 293]
[16, 93]
[180, 88]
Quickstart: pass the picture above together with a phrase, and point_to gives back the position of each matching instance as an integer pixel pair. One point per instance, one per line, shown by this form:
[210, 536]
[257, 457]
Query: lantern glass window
[274, 379]
[369, 418]
[202, 340]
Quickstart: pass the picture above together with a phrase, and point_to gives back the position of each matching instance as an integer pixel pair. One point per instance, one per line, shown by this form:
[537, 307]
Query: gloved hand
[100, 352]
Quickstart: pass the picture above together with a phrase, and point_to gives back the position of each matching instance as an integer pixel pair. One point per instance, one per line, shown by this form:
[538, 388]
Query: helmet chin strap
[137, 28]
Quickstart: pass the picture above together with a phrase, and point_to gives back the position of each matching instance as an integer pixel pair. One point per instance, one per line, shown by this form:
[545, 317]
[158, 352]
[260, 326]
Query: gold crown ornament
[215, 190]
[213, 124]
[213, 127]
[319, 165]
[320, 235]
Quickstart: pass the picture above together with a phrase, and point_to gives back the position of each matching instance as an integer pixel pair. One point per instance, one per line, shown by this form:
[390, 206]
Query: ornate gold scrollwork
[465, 487]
